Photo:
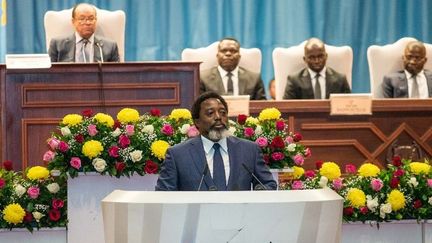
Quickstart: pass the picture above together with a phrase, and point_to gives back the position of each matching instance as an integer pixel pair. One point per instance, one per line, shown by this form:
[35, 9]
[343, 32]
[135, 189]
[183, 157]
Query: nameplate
[350, 104]
[27, 61]
[237, 104]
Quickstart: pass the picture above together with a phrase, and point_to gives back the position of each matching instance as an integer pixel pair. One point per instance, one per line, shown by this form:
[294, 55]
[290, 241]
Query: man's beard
[218, 134]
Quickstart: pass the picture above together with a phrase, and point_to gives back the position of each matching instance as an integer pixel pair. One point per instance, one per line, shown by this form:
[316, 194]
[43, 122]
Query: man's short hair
[77, 5]
[231, 39]
[196, 107]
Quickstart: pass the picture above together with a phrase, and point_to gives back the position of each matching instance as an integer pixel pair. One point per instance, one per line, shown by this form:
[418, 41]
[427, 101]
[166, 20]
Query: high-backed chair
[288, 61]
[387, 59]
[110, 24]
[250, 57]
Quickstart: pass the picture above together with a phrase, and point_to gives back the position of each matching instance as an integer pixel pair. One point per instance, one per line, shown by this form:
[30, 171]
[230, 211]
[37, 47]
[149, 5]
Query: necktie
[230, 89]
[415, 89]
[83, 57]
[317, 92]
[218, 169]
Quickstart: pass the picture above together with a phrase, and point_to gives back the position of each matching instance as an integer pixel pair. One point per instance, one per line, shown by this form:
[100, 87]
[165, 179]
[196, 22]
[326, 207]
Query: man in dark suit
[83, 45]
[214, 160]
[316, 81]
[413, 82]
[229, 78]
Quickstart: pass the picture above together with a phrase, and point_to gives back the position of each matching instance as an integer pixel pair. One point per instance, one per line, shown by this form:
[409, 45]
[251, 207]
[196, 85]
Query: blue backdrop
[161, 29]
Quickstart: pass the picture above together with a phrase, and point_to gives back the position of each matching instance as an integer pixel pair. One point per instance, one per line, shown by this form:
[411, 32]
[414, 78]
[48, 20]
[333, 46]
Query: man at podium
[214, 161]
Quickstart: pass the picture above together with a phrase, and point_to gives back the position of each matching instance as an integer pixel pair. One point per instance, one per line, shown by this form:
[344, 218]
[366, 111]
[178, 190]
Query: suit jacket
[185, 163]
[250, 83]
[395, 85]
[299, 86]
[63, 49]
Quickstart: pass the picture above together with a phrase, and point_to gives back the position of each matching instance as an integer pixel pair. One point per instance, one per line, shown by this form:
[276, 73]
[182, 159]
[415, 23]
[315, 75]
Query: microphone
[100, 44]
[260, 186]
[206, 170]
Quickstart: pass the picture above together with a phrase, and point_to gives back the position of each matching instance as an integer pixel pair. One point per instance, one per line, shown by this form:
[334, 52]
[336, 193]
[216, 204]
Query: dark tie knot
[229, 74]
[317, 76]
[216, 146]
[85, 41]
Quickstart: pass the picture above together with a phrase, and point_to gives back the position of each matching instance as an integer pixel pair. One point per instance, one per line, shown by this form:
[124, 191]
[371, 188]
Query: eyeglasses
[83, 20]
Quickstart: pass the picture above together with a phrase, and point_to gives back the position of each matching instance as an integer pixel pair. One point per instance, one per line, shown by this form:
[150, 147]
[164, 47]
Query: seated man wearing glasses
[83, 45]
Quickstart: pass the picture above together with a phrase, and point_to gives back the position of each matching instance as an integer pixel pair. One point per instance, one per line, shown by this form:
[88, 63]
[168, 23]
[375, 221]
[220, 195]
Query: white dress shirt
[209, 152]
[89, 46]
[422, 84]
[322, 80]
[223, 73]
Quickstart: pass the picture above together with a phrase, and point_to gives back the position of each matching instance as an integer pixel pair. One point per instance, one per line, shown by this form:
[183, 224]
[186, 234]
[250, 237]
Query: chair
[250, 57]
[110, 24]
[290, 60]
[387, 59]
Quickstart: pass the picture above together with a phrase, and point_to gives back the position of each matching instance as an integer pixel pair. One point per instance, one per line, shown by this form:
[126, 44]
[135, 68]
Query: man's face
[228, 55]
[213, 120]
[84, 20]
[315, 57]
[414, 59]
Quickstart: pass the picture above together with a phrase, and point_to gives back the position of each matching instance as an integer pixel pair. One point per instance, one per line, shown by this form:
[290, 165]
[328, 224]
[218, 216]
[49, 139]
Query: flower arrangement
[35, 201]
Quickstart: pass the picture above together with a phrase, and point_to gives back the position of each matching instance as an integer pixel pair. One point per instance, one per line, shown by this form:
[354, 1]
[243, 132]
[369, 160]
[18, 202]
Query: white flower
[258, 130]
[37, 216]
[372, 203]
[413, 181]
[385, 209]
[53, 187]
[136, 155]
[291, 147]
[323, 182]
[116, 132]
[232, 130]
[65, 131]
[430, 201]
[19, 190]
[184, 129]
[99, 164]
[149, 129]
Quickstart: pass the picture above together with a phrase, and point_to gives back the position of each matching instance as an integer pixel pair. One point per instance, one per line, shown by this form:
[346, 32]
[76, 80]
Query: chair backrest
[110, 24]
[387, 59]
[290, 60]
[250, 57]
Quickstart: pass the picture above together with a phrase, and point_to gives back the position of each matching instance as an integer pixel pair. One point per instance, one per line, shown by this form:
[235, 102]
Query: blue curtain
[161, 29]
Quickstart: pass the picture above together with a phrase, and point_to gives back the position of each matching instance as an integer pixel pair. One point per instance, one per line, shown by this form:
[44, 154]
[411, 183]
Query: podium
[233, 216]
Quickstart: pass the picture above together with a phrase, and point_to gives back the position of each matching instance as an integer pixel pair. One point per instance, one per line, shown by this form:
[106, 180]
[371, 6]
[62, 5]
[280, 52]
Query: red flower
[309, 174]
[277, 142]
[63, 147]
[396, 161]
[350, 169]
[124, 141]
[155, 112]
[319, 164]
[28, 217]
[7, 165]
[120, 166]
[394, 182]
[417, 204]
[364, 210]
[241, 119]
[150, 167]
[57, 203]
[348, 211]
[117, 124]
[2, 183]
[87, 112]
[277, 156]
[79, 138]
[399, 172]
[280, 125]
[54, 215]
[297, 137]
[113, 151]
[248, 132]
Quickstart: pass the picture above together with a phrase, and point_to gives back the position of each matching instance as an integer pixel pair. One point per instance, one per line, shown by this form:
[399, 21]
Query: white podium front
[234, 216]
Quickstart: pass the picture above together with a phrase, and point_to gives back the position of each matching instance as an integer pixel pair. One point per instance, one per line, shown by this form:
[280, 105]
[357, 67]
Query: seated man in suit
[83, 45]
[316, 81]
[230, 79]
[414, 81]
[214, 160]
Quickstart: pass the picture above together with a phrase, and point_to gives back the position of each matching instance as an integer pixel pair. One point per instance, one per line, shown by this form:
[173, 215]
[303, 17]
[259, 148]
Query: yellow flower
[128, 115]
[178, 114]
[356, 197]
[159, 148]
[396, 200]
[419, 168]
[92, 148]
[330, 170]
[269, 114]
[72, 120]
[368, 170]
[104, 119]
[298, 172]
[13, 213]
[37, 172]
[251, 121]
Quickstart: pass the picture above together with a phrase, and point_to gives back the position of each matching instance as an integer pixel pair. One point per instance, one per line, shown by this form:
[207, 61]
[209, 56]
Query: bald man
[413, 82]
[316, 81]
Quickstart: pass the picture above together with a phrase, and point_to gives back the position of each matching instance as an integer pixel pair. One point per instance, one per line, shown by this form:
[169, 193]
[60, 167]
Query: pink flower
[92, 130]
[167, 130]
[33, 192]
[297, 185]
[308, 152]
[309, 174]
[53, 143]
[337, 184]
[130, 130]
[280, 125]
[75, 162]
[350, 169]
[364, 210]
[113, 151]
[248, 132]
[429, 182]
[298, 159]
[262, 142]
[377, 184]
[2, 183]
[48, 156]
[63, 147]
[192, 132]
[289, 140]
[124, 141]
[277, 156]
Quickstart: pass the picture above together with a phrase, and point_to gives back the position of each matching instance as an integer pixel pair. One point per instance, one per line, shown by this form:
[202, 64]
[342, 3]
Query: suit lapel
[199, 159]
[242, 81]
[428, 75]
[70, 46]
[306, 80]
[403, 87]
[218, 81]
[330, 78]
[235, 155]
[96, 50]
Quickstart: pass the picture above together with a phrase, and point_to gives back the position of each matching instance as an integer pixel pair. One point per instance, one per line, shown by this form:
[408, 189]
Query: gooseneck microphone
[260, 186]
[205, 172]
[100, 44]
